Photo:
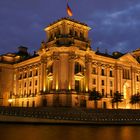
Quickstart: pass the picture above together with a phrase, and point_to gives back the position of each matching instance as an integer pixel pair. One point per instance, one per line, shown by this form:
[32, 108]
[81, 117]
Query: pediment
[129, 59]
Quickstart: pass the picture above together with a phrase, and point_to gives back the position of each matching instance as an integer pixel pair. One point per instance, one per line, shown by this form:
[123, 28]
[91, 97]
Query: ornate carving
[55, 56]
[72, 56]
[118, 67]
[88, 59]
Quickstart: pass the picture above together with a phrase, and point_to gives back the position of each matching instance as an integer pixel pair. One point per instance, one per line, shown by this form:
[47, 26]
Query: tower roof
[68, 19]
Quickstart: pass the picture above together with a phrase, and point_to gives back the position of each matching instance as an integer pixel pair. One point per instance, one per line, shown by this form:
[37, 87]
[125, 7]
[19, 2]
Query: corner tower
[64, 59]
[67, 32]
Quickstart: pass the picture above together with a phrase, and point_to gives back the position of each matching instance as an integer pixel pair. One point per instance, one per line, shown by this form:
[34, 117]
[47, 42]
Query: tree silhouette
[135, 99]
[118, 97]
[95, 95]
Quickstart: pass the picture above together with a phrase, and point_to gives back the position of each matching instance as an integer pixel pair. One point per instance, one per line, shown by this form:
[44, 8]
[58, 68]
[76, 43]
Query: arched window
[27, 103]
[71, 32]
[81, 35]
[50, 69]
[78, 68]
[76, 34]
[33, 104]
[58, 32]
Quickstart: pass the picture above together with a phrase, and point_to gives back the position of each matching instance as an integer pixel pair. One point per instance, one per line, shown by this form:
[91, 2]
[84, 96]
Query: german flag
[69, 11]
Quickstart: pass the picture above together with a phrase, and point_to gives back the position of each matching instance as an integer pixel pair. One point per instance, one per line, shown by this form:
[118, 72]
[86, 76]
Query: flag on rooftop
[69, 11]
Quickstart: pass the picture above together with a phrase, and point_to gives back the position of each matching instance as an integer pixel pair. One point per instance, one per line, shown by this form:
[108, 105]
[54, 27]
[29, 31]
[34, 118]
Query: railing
[75, 114]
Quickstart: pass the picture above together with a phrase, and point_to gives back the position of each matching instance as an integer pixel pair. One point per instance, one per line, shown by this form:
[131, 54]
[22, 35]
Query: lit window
[50, 69]
[126, 74]
[94, 70]
[35, 91]
[30, 83]
[20, 76]
[35, 82]
[78, 68]
[111, 83]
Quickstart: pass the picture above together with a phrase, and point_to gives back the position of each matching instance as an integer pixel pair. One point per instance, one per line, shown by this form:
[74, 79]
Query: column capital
[55, 56]
[88, 59]
[118, 67]
[72, 55]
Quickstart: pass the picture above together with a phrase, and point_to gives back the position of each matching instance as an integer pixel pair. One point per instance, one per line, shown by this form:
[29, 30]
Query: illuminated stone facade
[65, 69]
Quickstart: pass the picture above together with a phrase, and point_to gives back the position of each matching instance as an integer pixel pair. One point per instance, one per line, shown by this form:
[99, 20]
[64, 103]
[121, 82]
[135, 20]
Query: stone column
[56, 71]
[41, 75]
[118, 78]
[71, 71]
[16, 82]
[107, 80]
[98, 77]
[133, 80]
[64, 71]
[88, 79]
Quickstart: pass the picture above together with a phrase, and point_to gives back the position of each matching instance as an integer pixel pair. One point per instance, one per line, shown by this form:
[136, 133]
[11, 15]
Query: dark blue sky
[115, 23]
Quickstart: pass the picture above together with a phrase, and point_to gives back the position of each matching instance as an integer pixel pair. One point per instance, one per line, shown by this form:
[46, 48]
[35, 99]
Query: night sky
[115, 23]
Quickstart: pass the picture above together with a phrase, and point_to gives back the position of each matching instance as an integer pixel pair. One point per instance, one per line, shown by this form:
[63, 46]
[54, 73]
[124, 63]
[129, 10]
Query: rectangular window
[111, 92]
[25, 84]
[94, 89]
[30, 83]
[102, 72]
[24, 92]
[36, 72]
[30, 91]
[20, 85]
[94, 81]
[137, 78]
[77, 85]
[25, 75]
[78, 68]
[50, 69]
[20, 76]
[103, 82]
[126, 74]
[36, 82]
[35, 91]
[111, 83]
[110, 73]
[103, 92]
[30, 74]
[94, 70]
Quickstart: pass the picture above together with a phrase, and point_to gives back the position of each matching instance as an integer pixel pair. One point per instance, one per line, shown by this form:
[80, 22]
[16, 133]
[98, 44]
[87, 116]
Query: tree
[135, 99]
[95, 95]
[118, 97]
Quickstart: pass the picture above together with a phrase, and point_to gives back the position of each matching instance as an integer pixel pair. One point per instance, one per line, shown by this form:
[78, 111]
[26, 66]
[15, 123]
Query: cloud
[117, 28]
[115, 23]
